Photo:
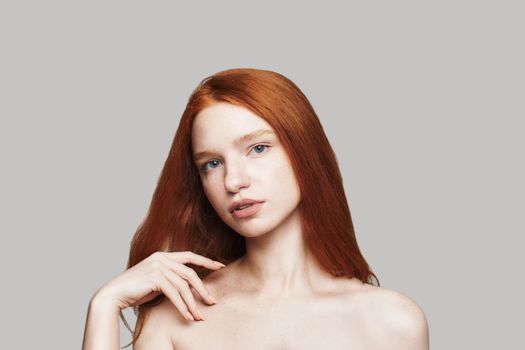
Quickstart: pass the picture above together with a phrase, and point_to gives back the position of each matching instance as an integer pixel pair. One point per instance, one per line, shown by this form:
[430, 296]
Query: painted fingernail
[201, 316]
[219, 264]
[189, 317]
[212, 299]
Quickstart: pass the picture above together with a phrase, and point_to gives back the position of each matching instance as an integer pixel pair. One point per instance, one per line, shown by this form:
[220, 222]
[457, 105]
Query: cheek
[208, 192]
[214, 200]
[284, 181]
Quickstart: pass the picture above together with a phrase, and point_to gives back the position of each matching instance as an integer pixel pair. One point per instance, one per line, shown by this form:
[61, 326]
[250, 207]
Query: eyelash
[203, 166]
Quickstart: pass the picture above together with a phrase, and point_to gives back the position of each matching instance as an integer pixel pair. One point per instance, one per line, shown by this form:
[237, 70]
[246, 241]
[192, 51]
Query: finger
[192, 278]
[173, 294]
[196, 259]
[185, 292]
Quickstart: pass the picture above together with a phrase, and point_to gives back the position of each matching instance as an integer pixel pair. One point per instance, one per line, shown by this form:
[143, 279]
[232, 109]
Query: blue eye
[204, 166]
[260, 145]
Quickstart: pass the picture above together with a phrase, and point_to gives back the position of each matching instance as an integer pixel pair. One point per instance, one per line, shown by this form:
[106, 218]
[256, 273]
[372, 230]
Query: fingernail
[201, 315]
[219, 264]
[212, 299]
[189, 317]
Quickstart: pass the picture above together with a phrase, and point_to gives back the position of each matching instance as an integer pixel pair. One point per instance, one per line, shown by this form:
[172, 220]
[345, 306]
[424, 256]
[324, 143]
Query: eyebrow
[244, 138]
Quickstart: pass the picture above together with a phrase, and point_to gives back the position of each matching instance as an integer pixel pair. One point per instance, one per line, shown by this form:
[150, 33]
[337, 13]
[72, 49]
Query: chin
[251, 229]
[258, 226]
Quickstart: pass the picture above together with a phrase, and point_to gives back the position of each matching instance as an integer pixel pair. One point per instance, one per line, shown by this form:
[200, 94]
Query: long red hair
[180, 217]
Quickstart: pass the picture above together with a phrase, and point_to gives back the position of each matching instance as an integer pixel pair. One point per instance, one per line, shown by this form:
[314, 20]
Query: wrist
[104, 303]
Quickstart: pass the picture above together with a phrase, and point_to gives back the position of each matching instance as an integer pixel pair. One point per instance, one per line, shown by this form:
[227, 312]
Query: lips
[241, 202]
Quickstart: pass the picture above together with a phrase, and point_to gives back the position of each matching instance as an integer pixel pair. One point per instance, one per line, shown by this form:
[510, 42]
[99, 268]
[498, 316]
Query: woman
[294, 276]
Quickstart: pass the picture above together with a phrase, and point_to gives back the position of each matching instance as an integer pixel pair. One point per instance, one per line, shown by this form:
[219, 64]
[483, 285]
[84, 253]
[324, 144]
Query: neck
[279, 263]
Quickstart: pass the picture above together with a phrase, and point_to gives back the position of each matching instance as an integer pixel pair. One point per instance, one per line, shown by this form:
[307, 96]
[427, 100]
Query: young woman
[252, 181]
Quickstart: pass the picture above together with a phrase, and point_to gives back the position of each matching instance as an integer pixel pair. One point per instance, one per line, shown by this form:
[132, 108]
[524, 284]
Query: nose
[236, 176]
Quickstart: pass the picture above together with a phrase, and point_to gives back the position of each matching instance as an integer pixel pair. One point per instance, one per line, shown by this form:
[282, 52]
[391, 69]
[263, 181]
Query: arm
[102, 330]
[411, 329]
[161, 272]
[403, 324]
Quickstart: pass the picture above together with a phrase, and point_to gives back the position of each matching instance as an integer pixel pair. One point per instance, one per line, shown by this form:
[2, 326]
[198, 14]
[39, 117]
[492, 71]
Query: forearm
[102, 330]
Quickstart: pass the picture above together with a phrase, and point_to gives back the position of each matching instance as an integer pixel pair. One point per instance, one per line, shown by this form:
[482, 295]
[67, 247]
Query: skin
[276, 296]
[276, 263]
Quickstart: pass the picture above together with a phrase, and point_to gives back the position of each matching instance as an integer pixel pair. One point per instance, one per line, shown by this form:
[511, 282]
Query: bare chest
[283, 324]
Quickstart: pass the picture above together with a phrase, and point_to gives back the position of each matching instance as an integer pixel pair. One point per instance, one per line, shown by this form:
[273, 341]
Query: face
[233, 167]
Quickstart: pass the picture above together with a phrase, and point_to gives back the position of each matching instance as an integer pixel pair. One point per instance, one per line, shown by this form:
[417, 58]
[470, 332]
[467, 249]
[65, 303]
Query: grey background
[422, 102]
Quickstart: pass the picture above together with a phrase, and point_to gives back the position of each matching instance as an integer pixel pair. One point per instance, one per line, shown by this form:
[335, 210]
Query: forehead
[224, 123]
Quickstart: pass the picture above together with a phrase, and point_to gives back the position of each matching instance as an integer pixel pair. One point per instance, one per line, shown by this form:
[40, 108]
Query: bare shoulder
[158, 327]
[395, 319]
